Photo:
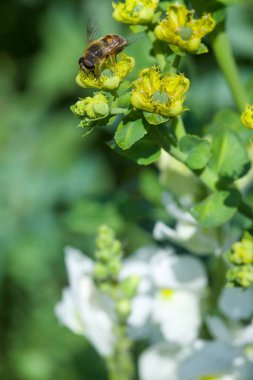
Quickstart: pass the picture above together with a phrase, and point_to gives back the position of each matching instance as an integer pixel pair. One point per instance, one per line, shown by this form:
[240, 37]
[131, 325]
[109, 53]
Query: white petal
[245, 335]
[141, 309]
[67, 314]
[175, 272]
[189, 236]
[236, 303]
[218, 329]
[96, 314]
[77, 264]
[178, 317]
[214, 358]
[158, 363]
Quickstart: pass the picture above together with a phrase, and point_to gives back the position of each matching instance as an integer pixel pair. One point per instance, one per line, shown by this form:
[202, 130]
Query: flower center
[185, 32]
[160, 97]
[166, 293]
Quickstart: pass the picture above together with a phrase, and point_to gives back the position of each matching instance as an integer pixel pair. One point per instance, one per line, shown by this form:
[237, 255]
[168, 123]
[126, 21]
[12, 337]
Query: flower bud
[135, 12]
[95, 107]
[100, 272]
[130, 285]
[240, 276]
[242, 252]
[123, 308]
[247, 116]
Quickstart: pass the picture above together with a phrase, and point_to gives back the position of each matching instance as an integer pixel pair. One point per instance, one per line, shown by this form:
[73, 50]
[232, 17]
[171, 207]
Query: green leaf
[154, 118]
[217, 208]
[123, 101]
[229, 155]
[138, 28]
[198, 151]
[144, 152]
[176, 50]
[202, 49]
[129, 132]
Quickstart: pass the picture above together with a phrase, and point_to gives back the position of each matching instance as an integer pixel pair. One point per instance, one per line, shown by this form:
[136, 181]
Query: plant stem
[120, 365]
[179, 128]
[175, 65]
[158, 54]
[224, 56]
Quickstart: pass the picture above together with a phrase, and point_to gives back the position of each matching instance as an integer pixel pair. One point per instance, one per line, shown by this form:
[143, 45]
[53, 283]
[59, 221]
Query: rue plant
[145, 117]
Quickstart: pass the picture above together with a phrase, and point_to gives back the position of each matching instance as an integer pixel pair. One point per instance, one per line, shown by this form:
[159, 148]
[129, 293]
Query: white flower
[187, 233]
[202, 361]
[159, 362]
[178, 179]
[83, 308]
[236, 303]
[167, 301]
[211, 360]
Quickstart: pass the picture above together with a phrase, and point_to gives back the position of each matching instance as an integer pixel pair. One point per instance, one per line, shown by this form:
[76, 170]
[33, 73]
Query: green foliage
[217, 208]
[129, 132]
[57, 188]
[229, 155]
[197, 151]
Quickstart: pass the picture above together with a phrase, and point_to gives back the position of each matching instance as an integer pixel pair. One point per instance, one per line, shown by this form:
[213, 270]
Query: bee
[99, 50]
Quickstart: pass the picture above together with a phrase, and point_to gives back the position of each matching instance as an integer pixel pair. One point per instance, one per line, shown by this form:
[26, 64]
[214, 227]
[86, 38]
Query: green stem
[158, 55]
[224, 56]
[120, 365]
[175, 65]
[179, 128]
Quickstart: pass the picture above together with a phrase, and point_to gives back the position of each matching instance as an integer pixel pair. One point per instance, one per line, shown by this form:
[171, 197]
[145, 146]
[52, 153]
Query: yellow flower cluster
[242, 251]
[247, 116]
[95, 107]
[180, 29]
[163, 95]
[135, 12]
[111, 76]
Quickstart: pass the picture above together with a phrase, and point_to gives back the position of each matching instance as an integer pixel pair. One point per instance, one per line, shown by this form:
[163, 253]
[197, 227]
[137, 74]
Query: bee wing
[131, 39]
[92, 31]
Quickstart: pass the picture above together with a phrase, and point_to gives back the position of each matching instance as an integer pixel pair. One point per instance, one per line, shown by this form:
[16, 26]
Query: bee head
[86, 64]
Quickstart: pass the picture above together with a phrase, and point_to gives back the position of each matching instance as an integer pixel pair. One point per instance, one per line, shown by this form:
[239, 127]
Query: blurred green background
[57, 188]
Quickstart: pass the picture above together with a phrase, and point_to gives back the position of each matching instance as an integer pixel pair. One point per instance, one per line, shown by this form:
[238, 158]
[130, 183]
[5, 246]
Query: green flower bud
[242, 251]
[240, 276]
[123, 308]
[130, 285]
[100, 272]
[247, 116]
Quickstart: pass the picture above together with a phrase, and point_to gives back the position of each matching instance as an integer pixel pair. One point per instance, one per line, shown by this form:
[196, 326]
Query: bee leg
[112, 59]
[99, 67]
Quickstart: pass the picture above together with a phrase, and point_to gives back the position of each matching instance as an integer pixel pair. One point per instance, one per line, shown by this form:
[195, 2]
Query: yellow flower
[180, 29]
[247, 116]
[242, 252]
[162, 95]
[92, 108]
[135, 12]
[111, 76]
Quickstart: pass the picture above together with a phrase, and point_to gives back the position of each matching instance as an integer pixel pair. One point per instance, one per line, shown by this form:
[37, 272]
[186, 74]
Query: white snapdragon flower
[83, 308]
[160, 362]
[168, 296]
[237, 306]
[201, 361]
[187, 232]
